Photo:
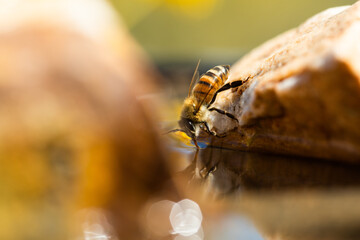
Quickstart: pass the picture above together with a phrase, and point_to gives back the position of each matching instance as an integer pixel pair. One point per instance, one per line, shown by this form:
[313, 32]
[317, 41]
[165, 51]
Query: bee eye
[191, 126]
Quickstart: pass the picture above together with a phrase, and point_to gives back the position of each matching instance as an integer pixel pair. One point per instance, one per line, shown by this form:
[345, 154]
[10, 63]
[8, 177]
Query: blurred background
[84, 86]
[176, 33]
[213, 30]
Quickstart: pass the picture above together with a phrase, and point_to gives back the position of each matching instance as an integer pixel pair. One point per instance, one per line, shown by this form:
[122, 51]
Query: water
[247, 195]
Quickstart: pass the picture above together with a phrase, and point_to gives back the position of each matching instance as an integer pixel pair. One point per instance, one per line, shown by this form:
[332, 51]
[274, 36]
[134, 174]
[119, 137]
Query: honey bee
[198, 102]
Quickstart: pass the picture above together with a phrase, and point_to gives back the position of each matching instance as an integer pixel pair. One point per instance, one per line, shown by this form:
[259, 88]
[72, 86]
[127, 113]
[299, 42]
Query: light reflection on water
[185, 218]
[95, 225]
[182, 219]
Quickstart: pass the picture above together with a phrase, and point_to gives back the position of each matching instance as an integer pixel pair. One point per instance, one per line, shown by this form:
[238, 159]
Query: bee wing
[195, 78]
[202, 101]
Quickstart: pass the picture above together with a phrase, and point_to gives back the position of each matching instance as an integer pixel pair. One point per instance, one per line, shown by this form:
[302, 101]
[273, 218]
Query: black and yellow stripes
[209, 83]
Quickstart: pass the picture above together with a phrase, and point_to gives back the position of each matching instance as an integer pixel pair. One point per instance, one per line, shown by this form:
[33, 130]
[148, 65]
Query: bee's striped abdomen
[210, 82]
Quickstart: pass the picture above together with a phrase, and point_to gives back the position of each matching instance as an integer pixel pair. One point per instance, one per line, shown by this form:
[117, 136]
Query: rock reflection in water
[285, 197]
[232, 171]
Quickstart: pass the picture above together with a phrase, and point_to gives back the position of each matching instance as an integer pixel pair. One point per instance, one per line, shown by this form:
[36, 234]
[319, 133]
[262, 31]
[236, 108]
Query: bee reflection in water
[228, 171]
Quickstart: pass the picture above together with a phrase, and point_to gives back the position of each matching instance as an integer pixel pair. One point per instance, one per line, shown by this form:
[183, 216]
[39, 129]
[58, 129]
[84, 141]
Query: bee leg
[226, 87]
[223, 88]
[208, 129]
[196, 145]
[221, 136]
[211, 132]
[224, 112]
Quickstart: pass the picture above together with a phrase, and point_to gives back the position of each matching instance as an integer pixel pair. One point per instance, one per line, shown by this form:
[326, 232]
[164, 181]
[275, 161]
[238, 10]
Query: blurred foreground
[71, 124]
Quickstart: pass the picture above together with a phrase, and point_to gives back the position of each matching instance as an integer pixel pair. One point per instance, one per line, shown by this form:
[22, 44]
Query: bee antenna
[195, 76]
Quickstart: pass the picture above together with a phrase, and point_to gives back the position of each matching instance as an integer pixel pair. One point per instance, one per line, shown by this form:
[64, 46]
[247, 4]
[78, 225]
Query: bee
[198, 102]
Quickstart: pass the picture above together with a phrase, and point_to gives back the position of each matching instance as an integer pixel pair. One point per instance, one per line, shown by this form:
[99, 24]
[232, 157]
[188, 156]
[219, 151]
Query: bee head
[188, 119]
[187, 126]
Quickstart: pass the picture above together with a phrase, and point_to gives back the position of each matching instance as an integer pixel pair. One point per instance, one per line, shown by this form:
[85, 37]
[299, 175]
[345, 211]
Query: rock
[302, 94]
[74, 137]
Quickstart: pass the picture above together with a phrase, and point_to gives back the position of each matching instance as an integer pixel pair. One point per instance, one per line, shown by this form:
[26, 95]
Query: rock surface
[302, 94]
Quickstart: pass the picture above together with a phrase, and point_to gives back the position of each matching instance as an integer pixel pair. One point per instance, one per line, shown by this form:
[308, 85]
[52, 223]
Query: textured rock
[303, 92]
